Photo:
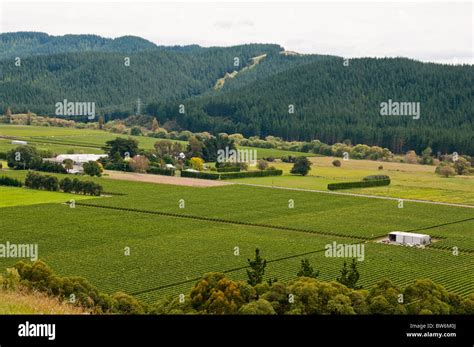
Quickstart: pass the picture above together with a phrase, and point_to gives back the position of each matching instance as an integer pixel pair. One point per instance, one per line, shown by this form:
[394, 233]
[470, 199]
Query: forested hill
[332, 102]
[23, 44]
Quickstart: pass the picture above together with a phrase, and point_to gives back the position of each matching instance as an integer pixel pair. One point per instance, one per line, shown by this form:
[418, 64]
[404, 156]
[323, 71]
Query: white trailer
[405, 238]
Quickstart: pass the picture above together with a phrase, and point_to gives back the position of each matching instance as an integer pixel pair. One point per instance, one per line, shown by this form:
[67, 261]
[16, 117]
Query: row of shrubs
[360, 184]
[37, 181]
[122, 166]
[376, 178]
[12, 182]
[160, 171]
[230, 175]
[228, 169]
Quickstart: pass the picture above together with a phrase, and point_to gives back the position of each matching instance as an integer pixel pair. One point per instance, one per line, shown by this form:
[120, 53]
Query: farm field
[14, 196]
[170, 247]
[90, 141]
[408, 181]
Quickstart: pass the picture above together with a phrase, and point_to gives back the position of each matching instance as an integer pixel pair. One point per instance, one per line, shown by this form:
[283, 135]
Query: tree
[136, 131]
[257, 269]
[385, 298]
[349, 277]
[462, 166]
[167, 148]
[93, 168]
[445, 169]
[214, 144]
[66, 185]
[29, 116]
[197, 163]
[259, 307]
[301, 167]
[306, 270]
[262, 164]
[154, 124]
[121, 146]
[195, 147]
[24, 157]
[8, 115]
[101, 122]
[411, 157]
[139, 163]
[426, 297]
[216, 294]
[126, 304]
[68, 164]
[426, 157]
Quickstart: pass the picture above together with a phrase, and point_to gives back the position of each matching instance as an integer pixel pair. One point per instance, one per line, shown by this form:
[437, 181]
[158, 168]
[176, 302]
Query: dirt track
[178, 181]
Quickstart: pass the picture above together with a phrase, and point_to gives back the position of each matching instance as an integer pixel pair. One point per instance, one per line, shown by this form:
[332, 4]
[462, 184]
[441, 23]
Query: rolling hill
[332, 102]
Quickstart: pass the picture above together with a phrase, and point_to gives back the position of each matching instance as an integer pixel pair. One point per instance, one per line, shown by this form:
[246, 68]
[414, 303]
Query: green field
[168, 253]
[60, 140]
[14, 196]
[408, 181]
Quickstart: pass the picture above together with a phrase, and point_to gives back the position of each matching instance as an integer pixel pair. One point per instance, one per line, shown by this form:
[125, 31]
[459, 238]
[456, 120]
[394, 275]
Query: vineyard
[170, 247]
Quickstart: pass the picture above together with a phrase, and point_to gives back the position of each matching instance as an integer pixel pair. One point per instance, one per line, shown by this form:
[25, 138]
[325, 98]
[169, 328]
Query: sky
[427, 31]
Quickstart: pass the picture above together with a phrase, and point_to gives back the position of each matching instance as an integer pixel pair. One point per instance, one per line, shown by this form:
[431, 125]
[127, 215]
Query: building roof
[404, 233]
[80, 158]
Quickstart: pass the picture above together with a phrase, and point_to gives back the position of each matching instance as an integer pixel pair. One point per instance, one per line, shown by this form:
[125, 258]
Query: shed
[405, 238]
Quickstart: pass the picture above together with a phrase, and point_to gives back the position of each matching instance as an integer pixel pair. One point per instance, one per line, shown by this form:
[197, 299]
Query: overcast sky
[428, 31]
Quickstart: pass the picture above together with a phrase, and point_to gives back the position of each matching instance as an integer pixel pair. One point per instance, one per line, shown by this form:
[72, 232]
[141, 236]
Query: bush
[380, 167]
[37, 181]
[360, 184]
[123, 166]
[301, 167]
[336, 163]
[262, 164]
[231, 175]
[445, 169]
[50, 183]
[51, 166]
[288, 159]
[154, 170]
[228, 169]
[376, 178]
[12, 182]
[203, 175]
[66, 185]
[93, 168]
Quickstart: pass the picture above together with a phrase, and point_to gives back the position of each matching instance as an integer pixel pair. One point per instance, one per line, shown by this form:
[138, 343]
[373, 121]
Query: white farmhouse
[78, 159]
[405, 238]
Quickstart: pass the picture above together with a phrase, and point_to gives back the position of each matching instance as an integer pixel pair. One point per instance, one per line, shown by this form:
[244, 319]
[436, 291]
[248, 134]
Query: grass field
[60, 140]
[168, 253]
[14, 196]
[408, 181]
